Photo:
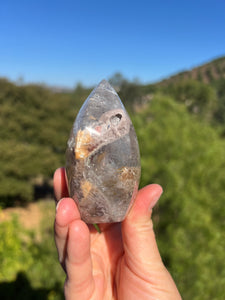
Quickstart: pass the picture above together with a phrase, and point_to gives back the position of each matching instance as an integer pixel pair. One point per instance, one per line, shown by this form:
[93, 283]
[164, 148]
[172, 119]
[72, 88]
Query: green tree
[187, 158]
[198, 97]
[219, 114]
[34, 127]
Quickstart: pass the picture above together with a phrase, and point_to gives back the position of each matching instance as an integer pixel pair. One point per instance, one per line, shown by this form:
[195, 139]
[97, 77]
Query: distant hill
[201, 89]
[206, 73]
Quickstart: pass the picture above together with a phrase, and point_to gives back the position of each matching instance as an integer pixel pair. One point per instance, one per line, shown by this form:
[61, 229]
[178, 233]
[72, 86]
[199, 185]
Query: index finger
[60, 184]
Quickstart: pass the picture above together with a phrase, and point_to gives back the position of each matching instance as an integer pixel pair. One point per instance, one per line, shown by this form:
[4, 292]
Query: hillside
[201, 89]
[206, 73]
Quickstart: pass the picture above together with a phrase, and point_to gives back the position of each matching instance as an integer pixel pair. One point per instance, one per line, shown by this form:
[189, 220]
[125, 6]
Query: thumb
[137, 229]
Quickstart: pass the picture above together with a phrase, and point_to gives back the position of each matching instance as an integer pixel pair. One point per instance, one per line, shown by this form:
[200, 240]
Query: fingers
[137, 229]
[66, 213]
[60, 184]
[80, 282]
[72, 239]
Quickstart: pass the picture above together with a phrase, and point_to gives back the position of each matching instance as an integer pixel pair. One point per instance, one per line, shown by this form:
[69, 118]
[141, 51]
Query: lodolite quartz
[102, 158]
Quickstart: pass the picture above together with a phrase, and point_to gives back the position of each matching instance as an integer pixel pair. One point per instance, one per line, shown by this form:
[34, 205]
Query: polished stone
[102, 158]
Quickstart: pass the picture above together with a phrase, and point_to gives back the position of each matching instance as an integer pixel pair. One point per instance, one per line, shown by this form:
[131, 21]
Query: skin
[121, 263]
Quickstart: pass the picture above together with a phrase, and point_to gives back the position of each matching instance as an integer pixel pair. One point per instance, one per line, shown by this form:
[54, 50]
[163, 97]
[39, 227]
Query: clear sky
[63, 42]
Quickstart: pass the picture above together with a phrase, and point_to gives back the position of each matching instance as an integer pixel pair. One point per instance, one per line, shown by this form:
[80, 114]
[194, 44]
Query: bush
[29, 269]
[198, 97]
[186, 157]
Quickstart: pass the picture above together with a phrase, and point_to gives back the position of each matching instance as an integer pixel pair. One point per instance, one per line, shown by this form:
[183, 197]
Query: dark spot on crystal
[116, 119]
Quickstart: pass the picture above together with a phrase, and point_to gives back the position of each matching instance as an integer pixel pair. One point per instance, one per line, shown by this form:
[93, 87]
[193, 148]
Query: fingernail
[57, 206]
[155, 200]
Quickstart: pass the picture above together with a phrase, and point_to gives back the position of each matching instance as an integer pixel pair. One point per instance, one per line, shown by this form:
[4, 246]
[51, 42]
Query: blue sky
[63, 42]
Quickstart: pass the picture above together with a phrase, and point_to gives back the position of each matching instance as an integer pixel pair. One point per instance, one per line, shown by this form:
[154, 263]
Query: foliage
[200, 89]
[219, 114]
[187, 158]
[26, 261]
[34, 127]
[207, 73]
[198, 97]
[129, 92]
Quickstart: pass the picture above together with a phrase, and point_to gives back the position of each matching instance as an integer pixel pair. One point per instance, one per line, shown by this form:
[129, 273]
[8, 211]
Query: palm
[109, 265]
[106, 252]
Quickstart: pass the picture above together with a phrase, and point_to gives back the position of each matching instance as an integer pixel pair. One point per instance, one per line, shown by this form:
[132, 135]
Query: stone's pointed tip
[105, 84]
[103, 81]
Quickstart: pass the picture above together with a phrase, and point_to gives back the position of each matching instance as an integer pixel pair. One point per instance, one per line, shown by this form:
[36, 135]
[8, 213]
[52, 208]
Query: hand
[123, 262]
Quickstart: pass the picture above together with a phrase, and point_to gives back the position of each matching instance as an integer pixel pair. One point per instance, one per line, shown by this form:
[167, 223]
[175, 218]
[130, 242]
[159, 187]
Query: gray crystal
[102, 158]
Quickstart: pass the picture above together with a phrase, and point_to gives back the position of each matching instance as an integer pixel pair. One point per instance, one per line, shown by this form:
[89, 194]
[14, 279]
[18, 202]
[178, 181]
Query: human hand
[121, 263]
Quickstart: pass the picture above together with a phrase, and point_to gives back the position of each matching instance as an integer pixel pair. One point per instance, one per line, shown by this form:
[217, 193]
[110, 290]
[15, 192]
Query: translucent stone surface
[102, 158]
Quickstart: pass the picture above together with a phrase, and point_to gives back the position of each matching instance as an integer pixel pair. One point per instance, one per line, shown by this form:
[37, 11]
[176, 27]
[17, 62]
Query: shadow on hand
[21, 289]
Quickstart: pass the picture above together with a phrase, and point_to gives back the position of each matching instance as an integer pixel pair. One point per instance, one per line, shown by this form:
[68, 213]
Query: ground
[33, 215]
